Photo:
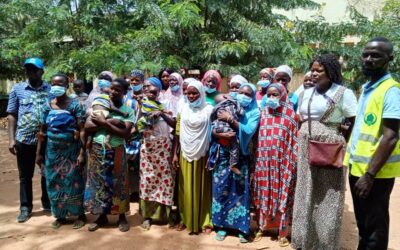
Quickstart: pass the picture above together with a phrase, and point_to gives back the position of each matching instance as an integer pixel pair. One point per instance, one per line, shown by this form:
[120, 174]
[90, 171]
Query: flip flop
[80, 222]
[283, 242]
[180, 227]
[242, 239]
[221, 235]
[58, 223]
[123, 226]
[97, 224]
[258, 236]
[146, 225]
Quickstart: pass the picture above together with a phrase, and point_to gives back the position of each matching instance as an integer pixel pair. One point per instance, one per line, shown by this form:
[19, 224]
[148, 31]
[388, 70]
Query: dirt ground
[37, 233]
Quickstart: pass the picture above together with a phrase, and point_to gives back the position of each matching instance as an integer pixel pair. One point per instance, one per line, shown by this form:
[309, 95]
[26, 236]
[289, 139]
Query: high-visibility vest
[370, 136]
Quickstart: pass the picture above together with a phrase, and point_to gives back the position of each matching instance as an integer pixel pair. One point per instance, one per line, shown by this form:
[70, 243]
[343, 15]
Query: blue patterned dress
[230, 195]
[64, 178]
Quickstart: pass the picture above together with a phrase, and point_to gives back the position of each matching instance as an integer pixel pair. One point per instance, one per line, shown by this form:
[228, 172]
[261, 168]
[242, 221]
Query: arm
[387, 144]
[347, 129]
[175, 145]
[227, 117]
[12, 127]
[225, 136]
[168, 119]
[40, 146]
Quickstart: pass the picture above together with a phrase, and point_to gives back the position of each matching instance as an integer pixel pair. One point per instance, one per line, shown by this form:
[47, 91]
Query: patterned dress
[64, 178]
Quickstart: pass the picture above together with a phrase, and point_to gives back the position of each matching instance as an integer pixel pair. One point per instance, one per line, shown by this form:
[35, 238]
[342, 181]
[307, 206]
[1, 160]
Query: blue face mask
[233, 94]
[175, 88]
[137, 88]
[104, 83]
[263, 83]
[243, 100]
[272, 103]
[57, 91]
[210, 90]
[195, 104]
[185, 99]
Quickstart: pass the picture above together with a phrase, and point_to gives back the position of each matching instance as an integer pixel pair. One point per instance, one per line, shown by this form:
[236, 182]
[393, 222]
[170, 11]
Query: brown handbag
[325, 154]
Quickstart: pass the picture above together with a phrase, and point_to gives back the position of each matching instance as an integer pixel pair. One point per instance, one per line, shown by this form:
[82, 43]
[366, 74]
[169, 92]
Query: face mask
[195, 104]
[185, 99]
[272, 103]
[175, 88]
[104, 83]
[243, 100]
[263, 83]
[209, 90]
[233, 94]
[57, 91]
[137, 88]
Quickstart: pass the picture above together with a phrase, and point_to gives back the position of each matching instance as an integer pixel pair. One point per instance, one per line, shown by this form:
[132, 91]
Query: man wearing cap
[283, 75]
[24, 105]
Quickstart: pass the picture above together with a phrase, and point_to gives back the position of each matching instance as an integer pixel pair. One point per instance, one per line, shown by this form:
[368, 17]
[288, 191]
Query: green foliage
[242, 36]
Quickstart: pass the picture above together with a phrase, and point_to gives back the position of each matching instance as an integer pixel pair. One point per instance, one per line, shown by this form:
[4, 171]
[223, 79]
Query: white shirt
[347, 106]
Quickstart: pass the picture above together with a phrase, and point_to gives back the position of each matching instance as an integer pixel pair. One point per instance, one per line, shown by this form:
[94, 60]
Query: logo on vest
[370, 119]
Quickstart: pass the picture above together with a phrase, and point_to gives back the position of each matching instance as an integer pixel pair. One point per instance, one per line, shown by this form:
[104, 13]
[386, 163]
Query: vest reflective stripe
[371, 135]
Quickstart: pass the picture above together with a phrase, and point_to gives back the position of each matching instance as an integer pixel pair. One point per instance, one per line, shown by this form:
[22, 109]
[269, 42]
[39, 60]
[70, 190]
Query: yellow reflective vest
[370, 136]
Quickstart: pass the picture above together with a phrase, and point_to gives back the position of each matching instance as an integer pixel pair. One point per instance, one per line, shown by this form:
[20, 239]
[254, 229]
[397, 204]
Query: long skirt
[230, 195]
[107, 186]
[194, 194]
[156, 179]
[319, 195]
[64, 178]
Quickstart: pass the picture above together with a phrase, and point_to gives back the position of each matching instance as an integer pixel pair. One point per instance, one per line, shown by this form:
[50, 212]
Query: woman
[60, 121]
[163, 76]
[156, 173]
[230, 191]
[319, 195]
[174, 93]
[212, 84]
[132, 100]
[107, 186]
[275, 172]
[266, 76]
[192, 133]
[234, 85]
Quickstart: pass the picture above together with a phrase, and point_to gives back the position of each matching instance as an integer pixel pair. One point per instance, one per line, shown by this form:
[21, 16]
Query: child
[227, 104]
[149, 105]
[103, 105]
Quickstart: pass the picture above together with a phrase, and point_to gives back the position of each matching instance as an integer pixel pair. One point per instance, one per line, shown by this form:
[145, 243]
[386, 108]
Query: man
[25, 102]
[374, 148]
[283, 75]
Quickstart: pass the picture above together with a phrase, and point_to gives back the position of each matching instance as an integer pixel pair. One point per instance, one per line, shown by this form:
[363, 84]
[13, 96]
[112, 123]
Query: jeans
[372, 214]
[26, 157]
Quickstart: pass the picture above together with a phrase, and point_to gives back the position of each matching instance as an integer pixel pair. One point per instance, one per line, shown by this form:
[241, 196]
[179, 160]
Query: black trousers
[372, 214]
[26, 157]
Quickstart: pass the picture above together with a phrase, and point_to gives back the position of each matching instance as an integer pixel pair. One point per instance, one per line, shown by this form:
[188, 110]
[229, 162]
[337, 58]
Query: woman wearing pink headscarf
[174, 93]
[212, 85]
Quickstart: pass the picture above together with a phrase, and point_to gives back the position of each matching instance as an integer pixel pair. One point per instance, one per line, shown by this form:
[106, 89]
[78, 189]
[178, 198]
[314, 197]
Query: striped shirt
[27, 102]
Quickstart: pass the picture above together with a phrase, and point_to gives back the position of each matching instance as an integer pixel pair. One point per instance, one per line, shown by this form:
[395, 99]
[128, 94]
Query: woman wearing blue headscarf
[230, 191]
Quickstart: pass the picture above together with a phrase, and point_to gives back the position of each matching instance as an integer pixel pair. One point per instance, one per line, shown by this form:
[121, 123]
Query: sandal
[283, 242]
[101, 221]
[221, 235]
[80, 222]
[242, 239]
[146, 225]
[123, 226]
[58, 223]
[258, 236]
[180, 227]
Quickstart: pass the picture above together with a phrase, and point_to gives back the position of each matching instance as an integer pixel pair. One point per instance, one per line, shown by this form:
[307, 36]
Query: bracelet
[371, 175]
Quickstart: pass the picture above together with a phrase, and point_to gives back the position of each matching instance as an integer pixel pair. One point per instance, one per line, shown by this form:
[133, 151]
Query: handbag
[325, 154]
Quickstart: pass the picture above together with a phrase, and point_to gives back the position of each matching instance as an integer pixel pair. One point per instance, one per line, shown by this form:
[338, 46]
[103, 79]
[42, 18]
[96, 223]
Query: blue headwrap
[138, 73]
[249, 121]
[155, 82]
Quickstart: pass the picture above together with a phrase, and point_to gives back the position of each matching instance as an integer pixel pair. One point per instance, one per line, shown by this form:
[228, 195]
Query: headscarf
[249, 121]
[138, 73]
[195, 127]
[284, 69]
[215, 74]
[155, 82]
[172, 98]
[276, 158]
[189, 80]
[238, 79]
[269, 71]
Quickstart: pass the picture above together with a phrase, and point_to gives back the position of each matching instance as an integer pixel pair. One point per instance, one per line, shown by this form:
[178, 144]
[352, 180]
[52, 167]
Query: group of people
[202, 160]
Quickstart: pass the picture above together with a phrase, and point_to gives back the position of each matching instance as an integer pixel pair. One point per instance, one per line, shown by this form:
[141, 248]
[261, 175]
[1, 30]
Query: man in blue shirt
[25, 102]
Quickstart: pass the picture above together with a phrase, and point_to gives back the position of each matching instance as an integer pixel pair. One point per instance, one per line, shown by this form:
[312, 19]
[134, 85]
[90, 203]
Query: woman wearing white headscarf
[193, 131]
[234, 85]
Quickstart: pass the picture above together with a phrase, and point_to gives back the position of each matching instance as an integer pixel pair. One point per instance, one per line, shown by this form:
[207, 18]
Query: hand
[99, 119]
[39, 160]
[363, 186]
[175, 162]
[12, 147]
[156, 114]
[81, 160]
[224, 115]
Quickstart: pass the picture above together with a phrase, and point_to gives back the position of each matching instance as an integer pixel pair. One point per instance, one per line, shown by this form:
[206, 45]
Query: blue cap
[37, 62]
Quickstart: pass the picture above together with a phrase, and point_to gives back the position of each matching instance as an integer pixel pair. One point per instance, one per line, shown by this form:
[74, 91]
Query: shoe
[24, 215]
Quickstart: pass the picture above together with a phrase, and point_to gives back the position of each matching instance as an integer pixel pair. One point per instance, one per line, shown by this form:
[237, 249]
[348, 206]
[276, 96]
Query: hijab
[238, 79]
[216, 75]
[249, 121]
[171, 99]
[195, 126]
